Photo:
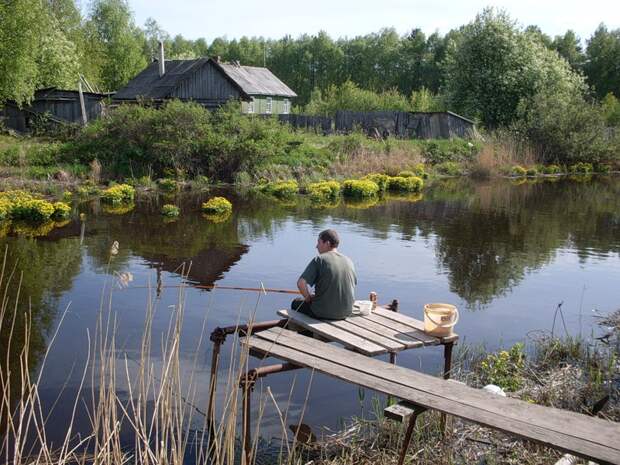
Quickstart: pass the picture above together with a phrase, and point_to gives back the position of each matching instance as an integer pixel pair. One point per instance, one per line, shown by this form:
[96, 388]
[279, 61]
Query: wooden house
[57, 106]
[210, 83]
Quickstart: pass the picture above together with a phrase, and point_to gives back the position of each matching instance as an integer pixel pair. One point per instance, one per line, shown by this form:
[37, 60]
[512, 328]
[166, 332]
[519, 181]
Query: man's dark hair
[331, 236]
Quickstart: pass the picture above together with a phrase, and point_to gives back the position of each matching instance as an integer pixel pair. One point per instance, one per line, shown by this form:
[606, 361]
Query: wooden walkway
[378, 333]
[584, 436]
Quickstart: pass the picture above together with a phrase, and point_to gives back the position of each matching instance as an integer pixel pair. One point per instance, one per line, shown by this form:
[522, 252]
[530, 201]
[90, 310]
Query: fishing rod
[214, 286]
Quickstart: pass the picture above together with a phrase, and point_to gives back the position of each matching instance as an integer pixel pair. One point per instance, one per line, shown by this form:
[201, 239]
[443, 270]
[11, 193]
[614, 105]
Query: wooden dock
[587, 437]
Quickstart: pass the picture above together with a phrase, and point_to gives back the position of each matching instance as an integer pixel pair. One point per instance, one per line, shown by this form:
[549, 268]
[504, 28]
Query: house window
[268, 105]
[251, 105]
[287, 106]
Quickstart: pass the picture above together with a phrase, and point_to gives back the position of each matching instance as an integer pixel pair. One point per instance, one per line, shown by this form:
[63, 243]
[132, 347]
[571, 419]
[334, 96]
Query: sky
[348, 18]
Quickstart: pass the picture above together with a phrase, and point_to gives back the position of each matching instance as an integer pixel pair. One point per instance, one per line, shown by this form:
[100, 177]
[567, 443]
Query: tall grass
[500, 152]
[157, 401]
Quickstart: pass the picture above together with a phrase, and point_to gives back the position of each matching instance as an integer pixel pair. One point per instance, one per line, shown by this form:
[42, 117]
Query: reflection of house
[210, 83]
[58, 106]
[204, 268]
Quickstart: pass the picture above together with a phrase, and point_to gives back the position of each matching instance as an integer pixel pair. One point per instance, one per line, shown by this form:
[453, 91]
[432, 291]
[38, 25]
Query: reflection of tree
[498, 232]
[36, 274]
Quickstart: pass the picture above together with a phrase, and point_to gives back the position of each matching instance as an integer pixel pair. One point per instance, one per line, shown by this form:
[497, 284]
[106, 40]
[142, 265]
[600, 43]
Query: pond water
[505, 254]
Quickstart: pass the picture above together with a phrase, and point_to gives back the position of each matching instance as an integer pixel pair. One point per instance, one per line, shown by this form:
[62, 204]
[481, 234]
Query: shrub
[170, 210]
[518, 171]
[180, 137]
[168, 185]
[217, 205]
[88, 188]
[120, 193]
[21, 205]
[324, 190]
[418, 170]
[281, 189]
[531, 172]
[5, 209]
[243, 179]
[360, 188]
[439, 151]
[67, 196]
[406, 174]
[61, 210]
[36, 210]
[552, 169]
[581, 168]
[400, 184]
[603, 169]
[449, 168]
[505, 368]
[143, 181]
[381, 180]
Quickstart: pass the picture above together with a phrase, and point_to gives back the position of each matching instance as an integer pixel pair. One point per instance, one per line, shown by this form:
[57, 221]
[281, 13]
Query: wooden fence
[382, 124]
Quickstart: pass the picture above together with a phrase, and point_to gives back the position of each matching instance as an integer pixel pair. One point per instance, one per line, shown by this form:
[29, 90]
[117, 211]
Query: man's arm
[302, 285]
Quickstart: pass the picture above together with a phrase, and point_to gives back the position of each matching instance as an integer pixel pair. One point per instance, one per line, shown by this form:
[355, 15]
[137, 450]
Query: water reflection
[472, 241]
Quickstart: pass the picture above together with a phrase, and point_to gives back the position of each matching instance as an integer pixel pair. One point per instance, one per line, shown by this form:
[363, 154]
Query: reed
[158, 401]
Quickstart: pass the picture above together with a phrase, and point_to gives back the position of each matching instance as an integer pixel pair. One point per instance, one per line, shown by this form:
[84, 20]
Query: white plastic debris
[493, 389]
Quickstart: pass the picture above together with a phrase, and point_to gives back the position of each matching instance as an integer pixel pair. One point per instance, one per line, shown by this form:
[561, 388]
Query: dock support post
[447, 368]
[407, 439]
[247, 384]
[393, 362]
[218, 337]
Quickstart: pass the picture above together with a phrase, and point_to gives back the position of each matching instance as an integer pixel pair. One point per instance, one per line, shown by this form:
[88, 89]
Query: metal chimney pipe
[162, 61]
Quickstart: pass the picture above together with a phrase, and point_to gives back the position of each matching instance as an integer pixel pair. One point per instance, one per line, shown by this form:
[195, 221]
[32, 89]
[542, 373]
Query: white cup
[362, 307]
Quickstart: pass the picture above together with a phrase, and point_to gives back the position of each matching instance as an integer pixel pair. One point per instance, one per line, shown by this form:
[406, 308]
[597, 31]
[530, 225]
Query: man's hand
[302, 285]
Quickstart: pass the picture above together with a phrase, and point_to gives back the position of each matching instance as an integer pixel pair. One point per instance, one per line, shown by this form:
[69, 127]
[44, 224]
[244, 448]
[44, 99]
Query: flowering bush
[170, 210]
[281, 189]
[418, 170]
[552, 169]
[217, 205]
[410, 184]
[168, 185]
[505, 368]
[61, 210]
[360, 188]
[518, 171]
[581, 168]
[324, 190]
[381, 180]
[120, 193]
[20, 205]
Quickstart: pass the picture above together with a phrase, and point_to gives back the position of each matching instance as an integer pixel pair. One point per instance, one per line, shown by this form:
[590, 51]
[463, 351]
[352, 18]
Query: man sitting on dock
[333, 276]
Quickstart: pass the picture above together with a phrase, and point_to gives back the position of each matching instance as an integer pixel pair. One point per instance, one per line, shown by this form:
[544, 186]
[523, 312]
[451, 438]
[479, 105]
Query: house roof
[255, 81]
[249, 80]
[148, 84]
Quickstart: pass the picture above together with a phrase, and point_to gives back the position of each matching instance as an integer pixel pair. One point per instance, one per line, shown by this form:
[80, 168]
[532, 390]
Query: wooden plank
[402, 328]
[391, 344]
[325, 329]
[401, 411]
[403, 338]
[409, 321]
[600, 434]
[452, 392]
[449, 390]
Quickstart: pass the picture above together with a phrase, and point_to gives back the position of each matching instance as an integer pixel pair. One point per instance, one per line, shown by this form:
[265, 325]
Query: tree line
[49, 43]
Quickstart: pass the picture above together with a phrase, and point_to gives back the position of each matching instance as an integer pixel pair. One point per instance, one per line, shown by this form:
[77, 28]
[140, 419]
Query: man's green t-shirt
[333, 277]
